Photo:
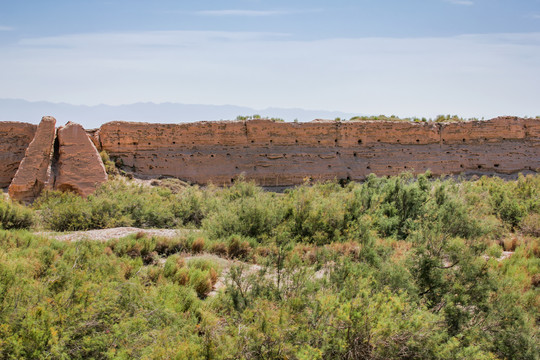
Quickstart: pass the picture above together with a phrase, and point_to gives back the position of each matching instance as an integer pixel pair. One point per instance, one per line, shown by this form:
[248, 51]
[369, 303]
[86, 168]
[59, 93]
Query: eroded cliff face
[40, 158]
[14, 139]
[284, 154]
[34, 172]
[271, 153]
[79, 168]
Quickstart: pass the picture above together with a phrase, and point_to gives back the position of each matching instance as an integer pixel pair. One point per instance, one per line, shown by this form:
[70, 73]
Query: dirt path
[114, 233]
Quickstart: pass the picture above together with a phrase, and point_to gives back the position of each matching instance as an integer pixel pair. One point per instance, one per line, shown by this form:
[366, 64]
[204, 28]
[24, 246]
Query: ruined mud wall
[14, 139]
[283, 154]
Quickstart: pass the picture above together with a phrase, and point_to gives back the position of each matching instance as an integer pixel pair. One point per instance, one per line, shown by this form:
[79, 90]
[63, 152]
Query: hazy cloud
[253, 13]
[242, 12]
[473, 75]
[460, 2]
[6, 28]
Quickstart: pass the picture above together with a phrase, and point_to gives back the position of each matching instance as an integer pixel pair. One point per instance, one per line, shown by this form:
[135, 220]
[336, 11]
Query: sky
[473, 58]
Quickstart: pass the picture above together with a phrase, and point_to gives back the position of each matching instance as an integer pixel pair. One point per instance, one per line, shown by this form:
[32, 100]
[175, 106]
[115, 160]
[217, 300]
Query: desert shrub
[115, 203]
[530, 225]
[64, 211]
[189, 206]
[172, 265]
[317, 214]
[133, 246]
[402, 205]
[206, 265]
[15, 216]
[174, 185]
[254, 215]
[200, 281]
[168, 246]
[110, 166]
[238, 247]
[198, 245]
[218, 248]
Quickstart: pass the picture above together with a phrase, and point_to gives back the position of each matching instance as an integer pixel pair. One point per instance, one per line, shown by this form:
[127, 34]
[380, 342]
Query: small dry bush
[219, 248]
[530, 225]
[198, 245]
[239, 248]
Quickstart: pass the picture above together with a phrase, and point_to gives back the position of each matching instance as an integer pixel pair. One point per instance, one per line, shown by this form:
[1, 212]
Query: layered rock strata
[79, 167]
[34, 172]
[271, 153]
[14, 140]
[284, 154]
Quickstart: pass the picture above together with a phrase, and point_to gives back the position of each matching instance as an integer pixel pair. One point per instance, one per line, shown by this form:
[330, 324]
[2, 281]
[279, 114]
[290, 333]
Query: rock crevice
[63, 159]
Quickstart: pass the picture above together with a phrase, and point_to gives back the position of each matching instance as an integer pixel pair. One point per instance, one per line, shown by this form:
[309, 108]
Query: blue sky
[415, 57]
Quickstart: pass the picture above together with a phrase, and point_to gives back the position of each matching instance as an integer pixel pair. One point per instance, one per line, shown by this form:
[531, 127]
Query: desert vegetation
[392, 268]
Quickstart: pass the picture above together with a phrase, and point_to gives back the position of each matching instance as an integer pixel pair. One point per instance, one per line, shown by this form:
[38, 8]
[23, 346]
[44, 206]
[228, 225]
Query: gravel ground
[114, 233]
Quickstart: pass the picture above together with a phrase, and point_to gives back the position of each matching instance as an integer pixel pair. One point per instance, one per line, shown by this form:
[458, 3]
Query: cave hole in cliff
[359, 141]
[236, 167]
[271, 141]
[118, 143]
[212, 155]
[479, 166]
[296, 141]
[318, 141]
[338, 153]
[329, 166]
[228, 154]
[461, 166]
[335, 141]
[496, 165]
[252, 141]
[355, 154]
[378, 140]
[417, 140]
[368, 167]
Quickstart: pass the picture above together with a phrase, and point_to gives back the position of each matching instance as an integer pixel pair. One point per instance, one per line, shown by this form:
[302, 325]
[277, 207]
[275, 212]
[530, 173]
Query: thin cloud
[241, 12]
[6, 28]
[461, 2]
[252, 13]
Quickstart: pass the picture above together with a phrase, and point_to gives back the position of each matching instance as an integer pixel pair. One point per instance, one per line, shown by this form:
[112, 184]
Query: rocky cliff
[280, 154]
[46, 158]
[34, 173]
[14, 139]
[283, 154]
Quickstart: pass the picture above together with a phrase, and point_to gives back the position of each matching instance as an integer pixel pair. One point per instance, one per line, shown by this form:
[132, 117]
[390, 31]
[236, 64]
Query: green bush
[15, 216]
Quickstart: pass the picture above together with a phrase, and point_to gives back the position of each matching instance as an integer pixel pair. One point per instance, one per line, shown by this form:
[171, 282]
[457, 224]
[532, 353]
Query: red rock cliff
[14, 139]
[282, 154]
[34, 173]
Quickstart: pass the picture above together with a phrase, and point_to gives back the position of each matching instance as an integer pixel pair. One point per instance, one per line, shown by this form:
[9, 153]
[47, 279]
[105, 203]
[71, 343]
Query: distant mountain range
[94, 116]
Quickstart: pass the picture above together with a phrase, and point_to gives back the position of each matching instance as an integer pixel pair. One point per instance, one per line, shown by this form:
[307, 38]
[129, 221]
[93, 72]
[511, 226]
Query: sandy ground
[114, 233]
